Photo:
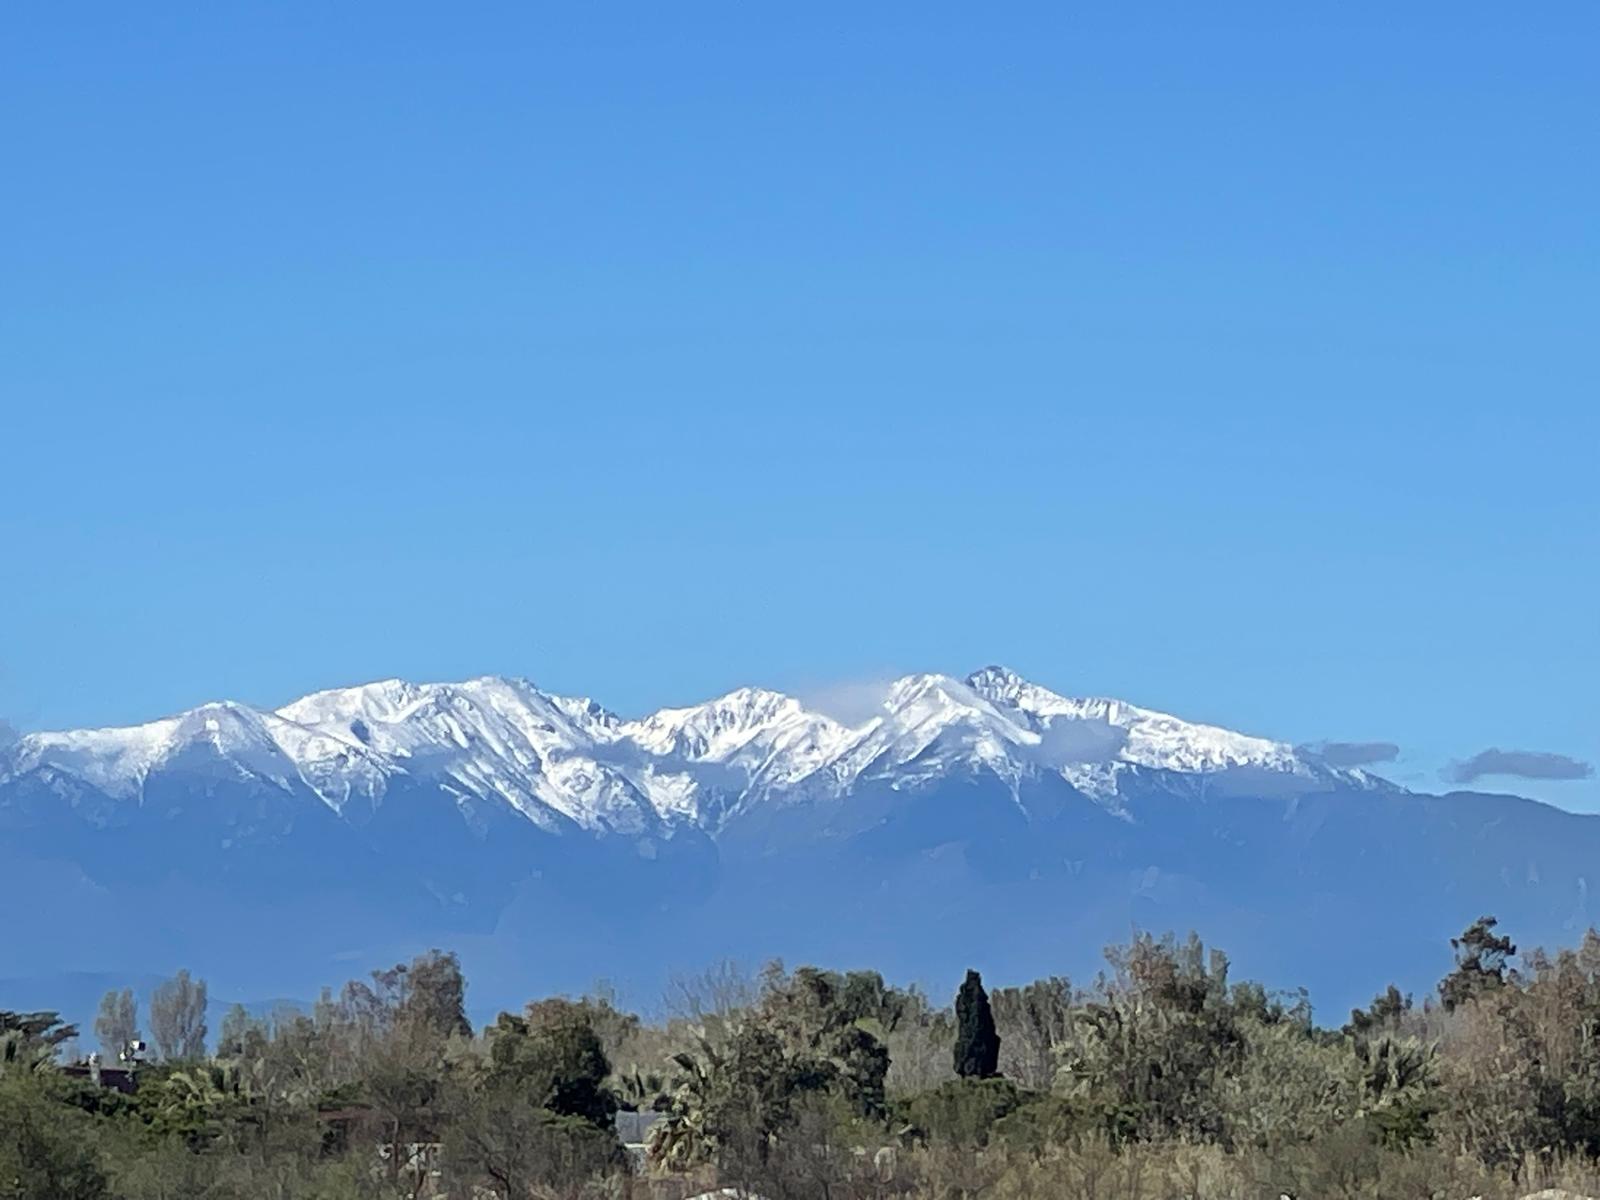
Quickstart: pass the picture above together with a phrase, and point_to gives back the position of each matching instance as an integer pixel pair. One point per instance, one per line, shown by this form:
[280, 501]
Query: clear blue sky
[1236, 359]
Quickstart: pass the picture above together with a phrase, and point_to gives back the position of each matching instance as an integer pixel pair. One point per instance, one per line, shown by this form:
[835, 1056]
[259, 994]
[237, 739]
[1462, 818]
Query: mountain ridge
[986, 819]
[553, 758]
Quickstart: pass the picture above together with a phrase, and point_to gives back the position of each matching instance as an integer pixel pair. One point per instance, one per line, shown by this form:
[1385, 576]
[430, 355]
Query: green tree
[553, 1056]
[198, 1103]
[977, 1048]
[29, 1040]
[961, 1112]
[730, 1102]
[1481, 960]
[1394, 1088]
[428, 994]
[46, 1151]
[1155, 1047]
[241, 1035]
[1384, 1013]
[534, 1116]
[498, 1141]
[830, 1025]
[435, 995]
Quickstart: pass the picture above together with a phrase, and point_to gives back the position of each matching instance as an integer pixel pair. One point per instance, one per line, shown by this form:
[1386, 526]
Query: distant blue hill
[985, 822]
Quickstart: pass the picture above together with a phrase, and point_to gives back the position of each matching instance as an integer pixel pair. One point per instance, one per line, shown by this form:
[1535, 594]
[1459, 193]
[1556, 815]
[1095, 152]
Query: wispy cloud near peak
[1517, 764]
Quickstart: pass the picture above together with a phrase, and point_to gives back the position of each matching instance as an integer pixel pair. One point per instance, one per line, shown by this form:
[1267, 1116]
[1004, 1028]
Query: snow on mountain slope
[113, 760]
[561, 761]
[255, 744]
[930, 724]
[1153, 739]
[588, 716]
[488, 739]
[770, 739]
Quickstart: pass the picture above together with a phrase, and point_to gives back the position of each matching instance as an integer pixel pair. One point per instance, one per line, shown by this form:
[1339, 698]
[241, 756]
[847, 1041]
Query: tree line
[1160, 1077]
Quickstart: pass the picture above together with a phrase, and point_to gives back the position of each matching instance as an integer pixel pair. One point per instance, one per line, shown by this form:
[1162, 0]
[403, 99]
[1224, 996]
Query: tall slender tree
[178, 1017]
[117, 1023]
[977, 1049]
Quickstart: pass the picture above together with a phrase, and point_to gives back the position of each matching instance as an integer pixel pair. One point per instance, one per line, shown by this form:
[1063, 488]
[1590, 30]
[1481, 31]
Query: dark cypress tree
[977, 1053]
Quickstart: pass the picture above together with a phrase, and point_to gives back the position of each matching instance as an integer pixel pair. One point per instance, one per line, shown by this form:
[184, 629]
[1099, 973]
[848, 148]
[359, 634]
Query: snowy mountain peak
[995, 680]
[385, 699]
[931, 725]
[494, 743]
[744, 720]
[1005, 688]
[936, 703]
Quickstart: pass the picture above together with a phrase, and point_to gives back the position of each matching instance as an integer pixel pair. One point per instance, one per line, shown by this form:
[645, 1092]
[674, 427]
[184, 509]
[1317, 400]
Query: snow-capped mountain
[984, 820]
[560, 761]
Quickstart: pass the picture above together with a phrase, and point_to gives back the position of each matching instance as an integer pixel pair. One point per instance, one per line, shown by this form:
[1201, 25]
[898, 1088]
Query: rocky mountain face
[984, 821]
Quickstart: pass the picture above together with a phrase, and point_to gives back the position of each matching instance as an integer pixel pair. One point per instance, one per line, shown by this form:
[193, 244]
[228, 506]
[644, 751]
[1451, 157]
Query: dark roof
[118, 1079]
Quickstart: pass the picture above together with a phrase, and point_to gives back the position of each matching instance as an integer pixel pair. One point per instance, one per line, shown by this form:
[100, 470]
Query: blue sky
[1236, 359]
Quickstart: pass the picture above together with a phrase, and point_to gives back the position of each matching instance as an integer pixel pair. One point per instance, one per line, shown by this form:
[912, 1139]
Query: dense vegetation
[1161, 1078]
